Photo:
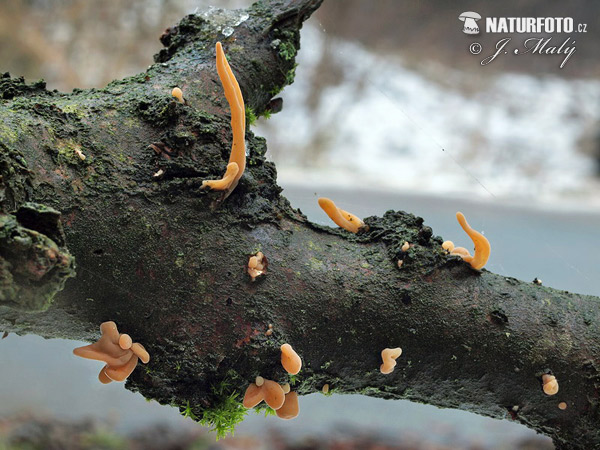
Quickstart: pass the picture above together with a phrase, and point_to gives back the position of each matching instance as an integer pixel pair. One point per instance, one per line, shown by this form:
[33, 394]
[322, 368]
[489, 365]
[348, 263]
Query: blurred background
[389, 110]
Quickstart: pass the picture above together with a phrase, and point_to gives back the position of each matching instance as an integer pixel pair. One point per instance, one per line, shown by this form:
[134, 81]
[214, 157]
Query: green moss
[289, 77]
[287, 51]
[250, 116]
[265, 409]
[226, 413]
[8, 134]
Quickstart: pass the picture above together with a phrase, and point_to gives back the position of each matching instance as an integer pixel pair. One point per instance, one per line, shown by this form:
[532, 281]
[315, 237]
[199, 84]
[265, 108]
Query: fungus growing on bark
[325, 388]
[405, 246]
[80, 154]
[482, 245]
[549, 384]
[257, 266]
[290, 360]
[118, 352]
[253, 396]
[259, 381]
[286, 388]
[448, 246]
[178, 94]
[388, 356]
[290, 407]
[270, 392]
[341, 218]
[562, 405]
[233, 94]
[125, 342]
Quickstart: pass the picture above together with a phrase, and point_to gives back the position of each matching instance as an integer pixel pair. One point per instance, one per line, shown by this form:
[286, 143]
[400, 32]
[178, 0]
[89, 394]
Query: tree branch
[154, 254]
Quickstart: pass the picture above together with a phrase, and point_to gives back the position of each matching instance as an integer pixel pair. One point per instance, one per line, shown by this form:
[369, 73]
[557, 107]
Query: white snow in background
[384, 124]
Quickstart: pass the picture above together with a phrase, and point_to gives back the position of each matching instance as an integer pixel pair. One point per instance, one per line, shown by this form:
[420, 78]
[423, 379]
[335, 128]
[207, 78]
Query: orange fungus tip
[341, 218]
[290, 360]
[257, 265]
[325, 388]
[290, 407]
[125, 341]
[253, 396]
[448, 246]
[562, 405]
[389, 356]
[178, 94]
[549, 384]
[273, 394]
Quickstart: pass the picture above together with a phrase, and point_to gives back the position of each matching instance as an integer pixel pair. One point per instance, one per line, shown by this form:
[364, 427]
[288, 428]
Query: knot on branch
[34, 264]
[406, 238]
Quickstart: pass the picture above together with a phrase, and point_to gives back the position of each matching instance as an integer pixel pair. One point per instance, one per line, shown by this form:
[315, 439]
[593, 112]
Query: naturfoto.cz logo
[551, 45]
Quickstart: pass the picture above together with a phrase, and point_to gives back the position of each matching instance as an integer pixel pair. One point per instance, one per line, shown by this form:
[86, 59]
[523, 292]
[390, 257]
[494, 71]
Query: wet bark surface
[103, 219]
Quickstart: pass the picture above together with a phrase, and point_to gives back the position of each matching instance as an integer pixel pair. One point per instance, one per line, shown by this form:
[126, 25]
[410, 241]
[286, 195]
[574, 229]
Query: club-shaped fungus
[341, 218]
[253, 396]
[119, 353]
[290, 408]
[259, 381]
[388, 356]
[290, 360]
[405, 246]
[178, 94]
[325, 388]
[549, 384]
[233, 94]
[562, 405]
[286, 388]
[257, 265]
[482, 245]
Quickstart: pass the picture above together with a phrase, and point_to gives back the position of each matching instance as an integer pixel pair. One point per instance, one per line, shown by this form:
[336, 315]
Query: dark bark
[165, 260]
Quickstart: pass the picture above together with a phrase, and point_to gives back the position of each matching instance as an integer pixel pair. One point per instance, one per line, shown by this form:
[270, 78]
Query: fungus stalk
[342, 218]
[233, 94]
[482, 245]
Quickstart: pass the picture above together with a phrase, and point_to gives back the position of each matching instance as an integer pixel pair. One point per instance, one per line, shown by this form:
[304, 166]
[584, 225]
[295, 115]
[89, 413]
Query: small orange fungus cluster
[389, 356]
[341, 218]
[118, 351]
[237, 158]
[257, 265]
[276, 396]
[482, 245]
[178, 94]
[549, 384]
